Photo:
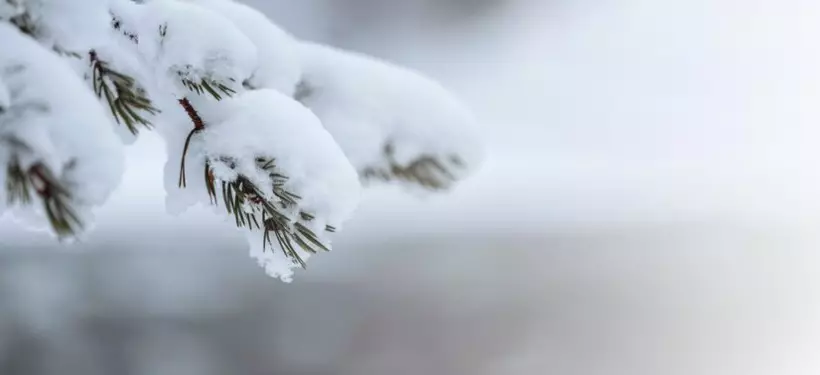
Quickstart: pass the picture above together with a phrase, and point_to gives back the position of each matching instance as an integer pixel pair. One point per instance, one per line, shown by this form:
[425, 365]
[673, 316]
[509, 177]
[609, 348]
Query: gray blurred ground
[611, 302]
[645, 212]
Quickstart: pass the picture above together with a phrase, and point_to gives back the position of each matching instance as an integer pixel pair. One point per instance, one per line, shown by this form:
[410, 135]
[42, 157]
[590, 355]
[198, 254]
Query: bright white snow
[369, 105]
[184, 41]
[322, 115]
[278, 66]
[58, 119]
[283, 130]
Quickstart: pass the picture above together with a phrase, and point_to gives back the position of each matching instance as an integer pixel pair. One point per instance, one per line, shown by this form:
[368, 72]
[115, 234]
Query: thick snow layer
[76, 25]
[269, 124]
[265, 123]
[279, 66]
[59, 120]
[369, 105]
[226, 70]
[185, 41]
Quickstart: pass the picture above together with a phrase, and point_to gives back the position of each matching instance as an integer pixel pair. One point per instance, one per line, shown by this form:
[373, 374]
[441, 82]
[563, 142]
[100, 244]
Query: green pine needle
[212, 87]
[251, 209]
[426, 171]
[125, 99]
[39, 180]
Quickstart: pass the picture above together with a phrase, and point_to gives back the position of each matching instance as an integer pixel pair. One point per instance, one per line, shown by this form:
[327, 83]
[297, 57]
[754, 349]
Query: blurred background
[649, 206]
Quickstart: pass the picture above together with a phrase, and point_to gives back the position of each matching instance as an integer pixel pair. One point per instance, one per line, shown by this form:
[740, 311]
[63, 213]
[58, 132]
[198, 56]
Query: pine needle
[125, 99]
[38, 180]
[251, 209]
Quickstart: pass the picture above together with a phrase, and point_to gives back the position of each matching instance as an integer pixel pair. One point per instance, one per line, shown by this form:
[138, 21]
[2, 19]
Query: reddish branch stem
[192, 113]
[44, 188]
[199, 125]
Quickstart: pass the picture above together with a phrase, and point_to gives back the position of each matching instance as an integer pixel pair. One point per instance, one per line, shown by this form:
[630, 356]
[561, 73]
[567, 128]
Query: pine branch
[427, 171]
[212, 87]
[199, 125]
[192, 113]
[116, 23]
[251, 206]
[23, 184]
[18, 188]
[24, 22]
[125, 99]
[56, 199]
[62, 52]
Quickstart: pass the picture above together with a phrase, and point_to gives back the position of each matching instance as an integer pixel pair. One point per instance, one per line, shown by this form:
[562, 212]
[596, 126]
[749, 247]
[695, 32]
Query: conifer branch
[212, 87]
[116, 23]
[125, 98]
[251, 205]
[56, 199]
[199, 125]
[196, 119]
[24, 183]
[24, 22]
[426, 170]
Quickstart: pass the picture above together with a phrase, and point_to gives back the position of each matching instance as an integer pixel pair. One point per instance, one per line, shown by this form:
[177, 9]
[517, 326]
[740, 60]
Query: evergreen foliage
[124, 97]
[284, 175]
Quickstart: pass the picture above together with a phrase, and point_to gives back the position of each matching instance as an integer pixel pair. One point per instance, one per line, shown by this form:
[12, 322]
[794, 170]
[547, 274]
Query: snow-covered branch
[280, 131]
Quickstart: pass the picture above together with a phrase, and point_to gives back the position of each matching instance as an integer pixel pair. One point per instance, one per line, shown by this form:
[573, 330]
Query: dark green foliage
[257, 208]
[18, 188]
[426, 171]
[24, 184]
[126, 100]
[60, 51]
[39, 180]
[251, 208]
[24, 22]
[212, 87]
[218, 90]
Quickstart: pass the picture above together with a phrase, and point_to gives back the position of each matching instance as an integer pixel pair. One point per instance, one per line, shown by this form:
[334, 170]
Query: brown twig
[192, 113]
[199, 125]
